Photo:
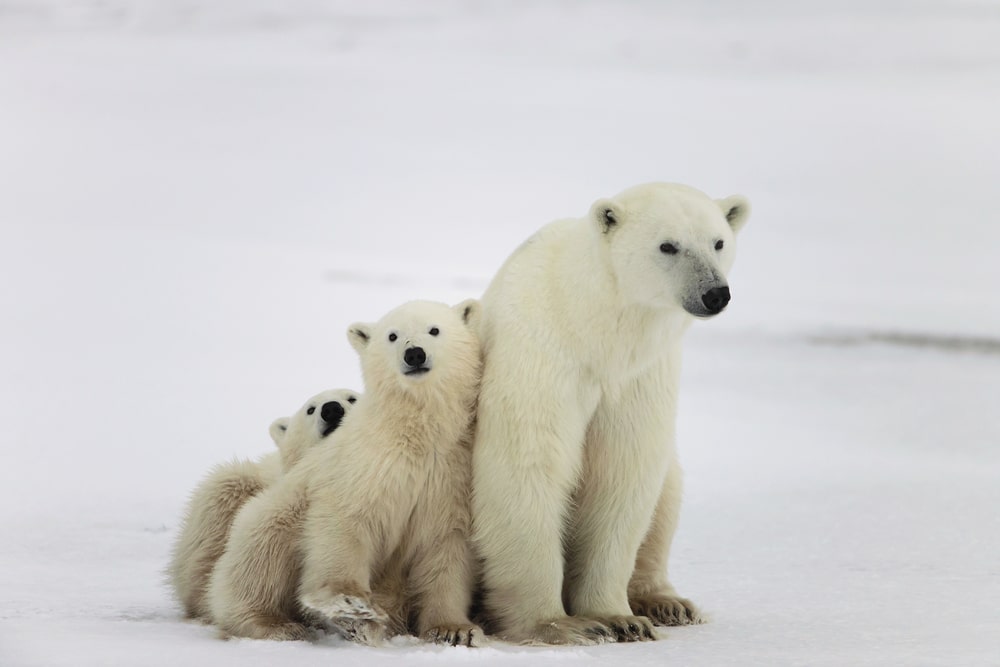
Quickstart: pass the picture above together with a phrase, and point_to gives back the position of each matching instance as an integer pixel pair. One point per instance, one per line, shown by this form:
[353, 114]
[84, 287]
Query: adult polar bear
[576, 480]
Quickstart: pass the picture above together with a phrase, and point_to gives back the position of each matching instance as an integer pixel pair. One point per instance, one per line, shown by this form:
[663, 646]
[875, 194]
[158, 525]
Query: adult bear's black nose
[716, 299]
[414, 356]
[332, 412]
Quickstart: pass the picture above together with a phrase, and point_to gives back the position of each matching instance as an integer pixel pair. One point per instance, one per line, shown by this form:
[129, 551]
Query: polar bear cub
[576, 479]
[219, 496]
[371, 536]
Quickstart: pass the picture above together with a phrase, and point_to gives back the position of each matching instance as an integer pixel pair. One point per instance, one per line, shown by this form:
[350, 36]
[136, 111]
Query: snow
[198, 198]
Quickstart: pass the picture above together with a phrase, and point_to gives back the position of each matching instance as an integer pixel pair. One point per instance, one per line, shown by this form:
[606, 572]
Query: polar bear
[576, 483]
[217, 498]
[371, 536]
[320, 416]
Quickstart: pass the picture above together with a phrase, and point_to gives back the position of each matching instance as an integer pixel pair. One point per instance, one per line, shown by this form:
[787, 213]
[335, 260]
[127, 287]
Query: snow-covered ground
[198, 196]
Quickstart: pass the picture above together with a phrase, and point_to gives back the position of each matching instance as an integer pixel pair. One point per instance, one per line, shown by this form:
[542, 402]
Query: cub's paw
[270, 628]
[340, 607]
[565, 630]
[666, 609]
[630, 628]
[462, 634]
[370, 633]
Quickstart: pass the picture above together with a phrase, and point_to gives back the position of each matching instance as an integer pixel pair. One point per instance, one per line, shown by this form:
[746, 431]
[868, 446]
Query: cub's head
[318, 418]
[671, 245]
[420, 347]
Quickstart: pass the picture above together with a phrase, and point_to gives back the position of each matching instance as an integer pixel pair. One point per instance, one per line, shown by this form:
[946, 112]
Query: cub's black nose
[414, 356]
[332, 412]
[716, 299]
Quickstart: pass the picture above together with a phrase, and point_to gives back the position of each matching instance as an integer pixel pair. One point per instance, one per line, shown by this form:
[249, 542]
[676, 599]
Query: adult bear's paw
[566, 630]
[664, 609]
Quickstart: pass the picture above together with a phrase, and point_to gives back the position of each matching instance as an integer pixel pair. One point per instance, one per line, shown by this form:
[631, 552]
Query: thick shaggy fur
[576, 481]
[370, 537]
[217, 498]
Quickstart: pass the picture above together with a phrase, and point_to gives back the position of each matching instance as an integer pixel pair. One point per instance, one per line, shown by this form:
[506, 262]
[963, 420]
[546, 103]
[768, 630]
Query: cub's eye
[312, 409]
[668, 248]
[392, 338]
[352, 400]
[434, 331]
[718, 245]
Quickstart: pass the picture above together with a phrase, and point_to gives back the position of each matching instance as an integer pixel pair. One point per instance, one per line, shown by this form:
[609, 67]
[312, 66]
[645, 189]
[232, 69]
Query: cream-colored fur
[576, 481]
[370, 537]
[220, 495]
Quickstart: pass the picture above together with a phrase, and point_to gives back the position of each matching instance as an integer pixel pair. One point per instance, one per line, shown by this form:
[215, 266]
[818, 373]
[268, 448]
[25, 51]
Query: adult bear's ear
[736, 208]
[359, 335]
[278, 429]
[607, 214]
[469, 310]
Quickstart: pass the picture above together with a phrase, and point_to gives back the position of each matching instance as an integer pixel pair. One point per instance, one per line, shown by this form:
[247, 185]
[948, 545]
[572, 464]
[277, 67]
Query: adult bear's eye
[392, 338]
[434, 331]
[718, 245]
[668, 248]
[312, 409]
[352, 399]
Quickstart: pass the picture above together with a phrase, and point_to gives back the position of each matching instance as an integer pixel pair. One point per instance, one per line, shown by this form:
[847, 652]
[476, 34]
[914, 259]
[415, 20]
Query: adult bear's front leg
[526, 462]
[650, 592]
[629, 444]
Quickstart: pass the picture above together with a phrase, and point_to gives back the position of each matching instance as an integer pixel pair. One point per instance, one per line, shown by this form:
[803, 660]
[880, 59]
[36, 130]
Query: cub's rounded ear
[359, 335]
[279, 427]
[736, 208]
[469, 310]
[607, 214]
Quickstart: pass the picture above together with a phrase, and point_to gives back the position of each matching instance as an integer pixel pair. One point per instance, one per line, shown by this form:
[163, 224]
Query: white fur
[219, 496]
[576, 481]
[373, 532]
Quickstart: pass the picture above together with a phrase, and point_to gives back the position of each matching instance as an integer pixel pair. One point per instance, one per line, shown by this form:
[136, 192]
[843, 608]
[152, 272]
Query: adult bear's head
[671, 245]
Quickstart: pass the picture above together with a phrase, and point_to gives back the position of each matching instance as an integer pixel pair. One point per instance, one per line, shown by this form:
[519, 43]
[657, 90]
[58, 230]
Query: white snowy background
[198, 196]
